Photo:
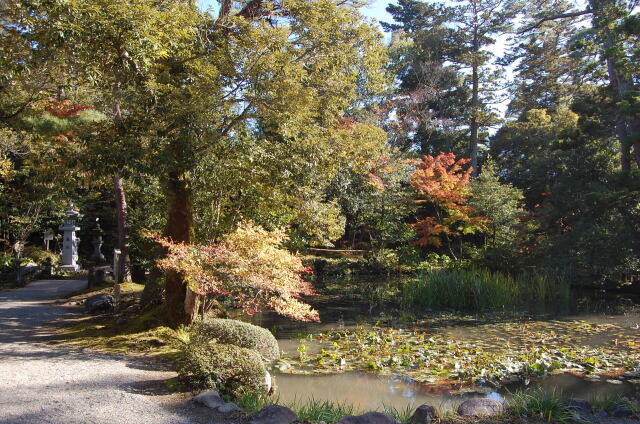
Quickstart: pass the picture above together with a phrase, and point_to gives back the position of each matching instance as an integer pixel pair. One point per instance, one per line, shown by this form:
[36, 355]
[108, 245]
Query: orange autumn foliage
[443, 183]
[65, 109]
[249, 267]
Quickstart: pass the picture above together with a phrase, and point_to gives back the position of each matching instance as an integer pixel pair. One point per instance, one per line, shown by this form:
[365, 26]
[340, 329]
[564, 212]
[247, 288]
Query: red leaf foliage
[65, 109]
[442, 182]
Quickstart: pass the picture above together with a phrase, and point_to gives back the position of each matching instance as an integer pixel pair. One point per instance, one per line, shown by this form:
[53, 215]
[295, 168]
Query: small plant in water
[302, 352]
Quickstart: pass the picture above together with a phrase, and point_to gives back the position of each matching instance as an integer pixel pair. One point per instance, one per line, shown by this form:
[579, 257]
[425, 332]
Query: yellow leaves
[6, 166]
[249, 266]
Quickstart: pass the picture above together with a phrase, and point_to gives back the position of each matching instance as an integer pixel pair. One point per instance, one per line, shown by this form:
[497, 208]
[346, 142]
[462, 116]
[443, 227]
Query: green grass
[402, 415]
[127, 287]
[540, 404]
[145, 332]
[481, 290]
[253, 402]
[327, 411]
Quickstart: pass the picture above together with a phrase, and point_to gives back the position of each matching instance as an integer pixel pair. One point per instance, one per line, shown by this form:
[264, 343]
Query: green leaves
[492, 353]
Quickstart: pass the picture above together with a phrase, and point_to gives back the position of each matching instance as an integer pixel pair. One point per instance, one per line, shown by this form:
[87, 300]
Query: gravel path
[40, 383]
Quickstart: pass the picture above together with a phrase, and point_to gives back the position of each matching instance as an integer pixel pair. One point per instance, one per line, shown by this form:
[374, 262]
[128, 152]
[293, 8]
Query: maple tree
[249, 266]
[444, 185]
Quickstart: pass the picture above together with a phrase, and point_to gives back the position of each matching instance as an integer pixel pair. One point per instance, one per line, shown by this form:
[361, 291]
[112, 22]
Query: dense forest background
[159, 118]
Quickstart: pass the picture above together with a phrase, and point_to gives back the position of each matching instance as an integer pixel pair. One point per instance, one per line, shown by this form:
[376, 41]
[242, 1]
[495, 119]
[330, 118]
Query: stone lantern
[69, 241]
[97, 257]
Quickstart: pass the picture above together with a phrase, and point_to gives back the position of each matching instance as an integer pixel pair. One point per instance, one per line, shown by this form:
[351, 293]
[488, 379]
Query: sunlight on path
[45, 384]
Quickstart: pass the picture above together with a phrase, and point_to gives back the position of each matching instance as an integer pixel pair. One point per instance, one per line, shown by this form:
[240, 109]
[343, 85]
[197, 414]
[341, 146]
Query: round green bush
[231, 370]
[39, 256]
[237, 333]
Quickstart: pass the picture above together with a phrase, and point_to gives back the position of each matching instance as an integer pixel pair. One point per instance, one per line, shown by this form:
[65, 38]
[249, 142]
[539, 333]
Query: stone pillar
[69, 241]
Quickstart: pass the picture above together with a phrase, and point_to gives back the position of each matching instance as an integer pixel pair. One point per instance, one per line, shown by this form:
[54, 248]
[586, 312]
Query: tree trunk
[626, 127]
[124, 273]
[181, 302]
[475, 81]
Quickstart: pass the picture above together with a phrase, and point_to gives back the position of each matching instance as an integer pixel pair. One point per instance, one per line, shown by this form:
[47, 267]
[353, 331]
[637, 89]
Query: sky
[375, 10]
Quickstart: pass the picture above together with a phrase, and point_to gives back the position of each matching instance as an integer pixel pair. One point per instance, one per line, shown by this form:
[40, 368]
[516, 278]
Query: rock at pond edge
[211, 399]
[479, 406]
[622, 412]
[274, 414]
[423, 415]
[229, 408]
[580, 405]
[368, 418]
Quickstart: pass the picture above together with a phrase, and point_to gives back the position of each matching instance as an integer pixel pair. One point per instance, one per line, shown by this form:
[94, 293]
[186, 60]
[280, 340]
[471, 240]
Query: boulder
[274, 414]
[229, 408]
[423, 415]
[368, 418]
[601, 414]
[622, 412]
[211, 399]
[479, 406]
[580, 405]
[268, 382]
[100, 303]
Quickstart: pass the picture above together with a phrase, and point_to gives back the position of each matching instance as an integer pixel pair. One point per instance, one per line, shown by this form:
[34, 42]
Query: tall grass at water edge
[474, 289]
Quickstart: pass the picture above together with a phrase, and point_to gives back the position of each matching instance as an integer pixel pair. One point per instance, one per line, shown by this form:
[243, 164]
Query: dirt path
[40, 383]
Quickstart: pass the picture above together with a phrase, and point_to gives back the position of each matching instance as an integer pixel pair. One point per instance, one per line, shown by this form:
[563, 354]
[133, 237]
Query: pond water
[367, 391]
[613, 316]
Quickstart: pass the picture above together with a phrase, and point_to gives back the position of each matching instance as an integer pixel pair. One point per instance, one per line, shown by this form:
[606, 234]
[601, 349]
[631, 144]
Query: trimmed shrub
[237, 333]
[231, 370]
[39, 255]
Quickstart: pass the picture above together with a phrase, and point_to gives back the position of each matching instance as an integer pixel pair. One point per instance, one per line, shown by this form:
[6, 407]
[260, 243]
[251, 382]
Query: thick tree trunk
[475, 103]
[124, 273]
[181, 302]
[626, 127]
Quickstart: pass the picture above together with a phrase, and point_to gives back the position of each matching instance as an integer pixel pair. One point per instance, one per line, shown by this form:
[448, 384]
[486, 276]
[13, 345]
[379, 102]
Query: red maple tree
[444, 184]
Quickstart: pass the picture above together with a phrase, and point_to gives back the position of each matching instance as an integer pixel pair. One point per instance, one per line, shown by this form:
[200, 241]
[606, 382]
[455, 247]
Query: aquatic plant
[546, 405]
[492, 354]
[252, 402]
[401, 415]
[315, 410]
[482, 290]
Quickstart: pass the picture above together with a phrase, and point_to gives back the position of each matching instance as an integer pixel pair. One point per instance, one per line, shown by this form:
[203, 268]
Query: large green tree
[444, 62]
[179, 83]
[614, 36]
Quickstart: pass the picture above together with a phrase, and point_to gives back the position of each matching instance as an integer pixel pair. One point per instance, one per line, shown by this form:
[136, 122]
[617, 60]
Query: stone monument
[69, 241]
[97, 257]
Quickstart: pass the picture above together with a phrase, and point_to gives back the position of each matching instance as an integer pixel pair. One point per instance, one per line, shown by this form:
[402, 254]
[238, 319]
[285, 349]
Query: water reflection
[374, 392]
[371, 391]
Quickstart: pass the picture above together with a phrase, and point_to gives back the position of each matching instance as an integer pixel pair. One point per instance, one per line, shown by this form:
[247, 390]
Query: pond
[372, 359]
[367, 391]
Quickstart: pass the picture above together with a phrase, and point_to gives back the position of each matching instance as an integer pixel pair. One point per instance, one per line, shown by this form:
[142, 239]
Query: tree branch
[556, 17]
[225, 9]
[251, 9]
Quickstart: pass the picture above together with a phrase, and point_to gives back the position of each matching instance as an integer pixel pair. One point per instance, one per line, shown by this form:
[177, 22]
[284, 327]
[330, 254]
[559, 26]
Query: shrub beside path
[41, 383]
